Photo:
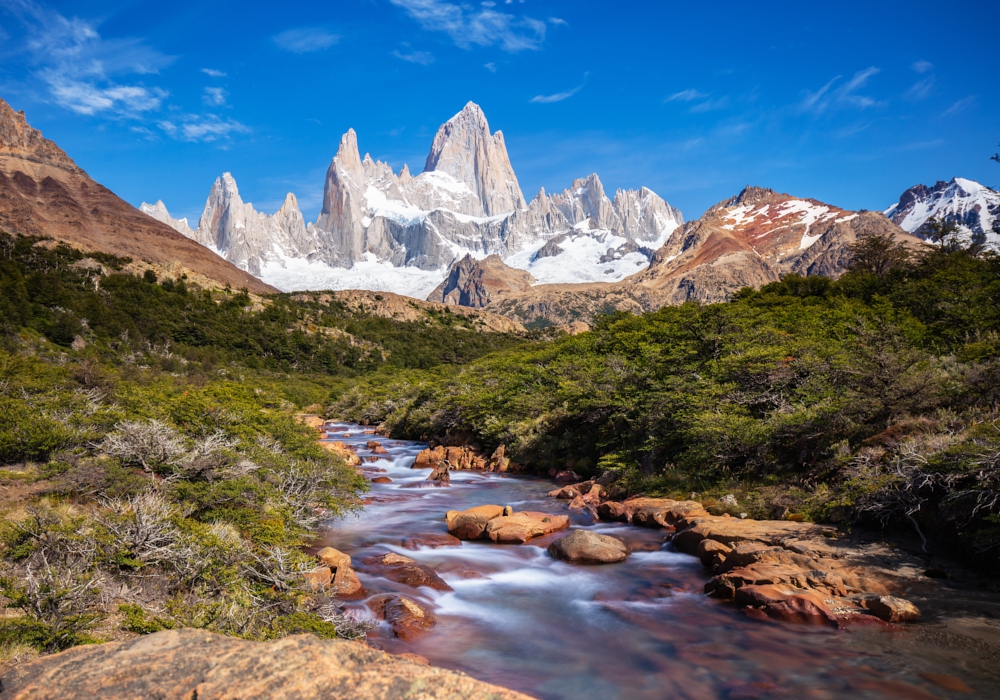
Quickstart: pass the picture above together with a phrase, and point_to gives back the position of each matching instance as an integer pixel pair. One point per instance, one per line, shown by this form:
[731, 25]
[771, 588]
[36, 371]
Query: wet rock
[520, 527]
[441, 474]
[405, 616]
[800, 608]
[471, 524]
[567, 477]
[566, 492]
[432, 540]
[379, 450]
[402, 569]
[190, 663]
[585, 547]
[343, 451]
[372, 444]
[612, 511]
[892, 609]
[381, 480]
[712, 554]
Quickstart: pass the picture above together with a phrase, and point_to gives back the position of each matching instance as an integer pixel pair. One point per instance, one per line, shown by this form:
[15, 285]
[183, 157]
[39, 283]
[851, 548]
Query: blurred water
[637, 630]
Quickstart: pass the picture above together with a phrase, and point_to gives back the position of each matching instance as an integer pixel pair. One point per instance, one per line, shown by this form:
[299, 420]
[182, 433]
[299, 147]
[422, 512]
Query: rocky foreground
[194, 664]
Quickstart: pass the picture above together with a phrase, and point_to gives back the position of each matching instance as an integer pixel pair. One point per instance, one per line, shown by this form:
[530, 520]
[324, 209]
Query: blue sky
[848, 102]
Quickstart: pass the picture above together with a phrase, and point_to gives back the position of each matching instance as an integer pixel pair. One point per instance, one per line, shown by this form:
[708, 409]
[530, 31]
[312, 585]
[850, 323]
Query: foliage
[781, 386]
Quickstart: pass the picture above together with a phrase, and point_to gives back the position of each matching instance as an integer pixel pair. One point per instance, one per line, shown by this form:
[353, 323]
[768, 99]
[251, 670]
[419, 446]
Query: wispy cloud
[82, 70]
[922, 66]
[213, 73]
[203, 128]
[842, 96]
[214, 96]
[559, 96]
[306, 39]
[558, 22]
[424, 58]
[491, 67]
[921, 89]
[711, 105]
[960, 106]
[471, 26]
[688, 95]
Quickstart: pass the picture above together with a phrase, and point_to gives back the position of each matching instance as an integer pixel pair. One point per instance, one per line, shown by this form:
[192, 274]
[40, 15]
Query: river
[638, 630]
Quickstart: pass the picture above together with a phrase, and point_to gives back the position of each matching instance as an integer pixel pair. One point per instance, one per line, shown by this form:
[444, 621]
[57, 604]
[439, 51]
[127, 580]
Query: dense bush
[786, 385]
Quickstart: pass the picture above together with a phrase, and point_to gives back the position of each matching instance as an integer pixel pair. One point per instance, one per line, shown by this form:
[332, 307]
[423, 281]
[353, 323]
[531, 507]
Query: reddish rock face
[471, 524]
[567, 477]
[407, 618]
[396, 567]
[381, 480]
[190, 663]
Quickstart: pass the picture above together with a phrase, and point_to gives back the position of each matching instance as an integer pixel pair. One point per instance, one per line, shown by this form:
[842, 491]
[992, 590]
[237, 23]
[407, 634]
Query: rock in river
[502, 525]
[585, 547]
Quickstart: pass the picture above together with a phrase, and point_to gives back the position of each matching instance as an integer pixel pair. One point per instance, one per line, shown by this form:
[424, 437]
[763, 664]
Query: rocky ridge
[44, 193]
[467, 201]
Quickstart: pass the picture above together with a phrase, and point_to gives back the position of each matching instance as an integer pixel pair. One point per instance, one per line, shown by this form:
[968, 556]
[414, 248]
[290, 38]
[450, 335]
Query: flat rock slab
[502, 525]
[184, 664]
[586, 547]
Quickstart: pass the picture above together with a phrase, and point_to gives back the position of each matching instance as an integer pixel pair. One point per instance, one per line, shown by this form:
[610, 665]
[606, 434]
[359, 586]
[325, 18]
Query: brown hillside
[44, 193]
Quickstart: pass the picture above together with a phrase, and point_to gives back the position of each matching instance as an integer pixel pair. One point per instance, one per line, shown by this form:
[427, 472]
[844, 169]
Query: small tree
[878, 254]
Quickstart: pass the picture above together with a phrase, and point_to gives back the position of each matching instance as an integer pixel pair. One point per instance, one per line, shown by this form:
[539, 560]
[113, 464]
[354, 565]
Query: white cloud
[960, 106]
[922, 66]
[468, 26]
[921, 89]
[424, 58]
[558, 97]
[214, 96]
[81, 69]
[203, 128]
[686, 96]
[711, 105]
[843, 96]
[211, 72]
[306, 39]
[558, 21]
[491, 67]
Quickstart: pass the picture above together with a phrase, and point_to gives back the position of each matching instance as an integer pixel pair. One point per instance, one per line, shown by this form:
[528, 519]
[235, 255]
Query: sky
[849, 103]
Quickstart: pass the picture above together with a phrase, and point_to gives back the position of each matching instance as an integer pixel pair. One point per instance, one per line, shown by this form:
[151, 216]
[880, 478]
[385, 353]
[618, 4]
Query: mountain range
[398, 232]
[461, 232]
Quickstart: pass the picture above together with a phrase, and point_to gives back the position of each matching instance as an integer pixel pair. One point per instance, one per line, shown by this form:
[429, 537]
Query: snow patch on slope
[297, 274]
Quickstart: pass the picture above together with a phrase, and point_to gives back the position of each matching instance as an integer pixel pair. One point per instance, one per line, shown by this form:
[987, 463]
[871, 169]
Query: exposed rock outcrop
[476, 283]
[44, 193]
[464, 457]
[186, 663]
[791, 571]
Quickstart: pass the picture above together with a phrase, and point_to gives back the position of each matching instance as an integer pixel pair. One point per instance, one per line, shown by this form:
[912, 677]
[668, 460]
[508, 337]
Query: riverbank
[515, 616]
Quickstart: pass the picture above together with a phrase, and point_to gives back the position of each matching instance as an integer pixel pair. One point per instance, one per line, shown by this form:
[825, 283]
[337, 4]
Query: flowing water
[637, 630]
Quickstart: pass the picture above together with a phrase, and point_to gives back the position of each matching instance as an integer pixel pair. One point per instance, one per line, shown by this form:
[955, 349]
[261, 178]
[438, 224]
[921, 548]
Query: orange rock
[471, 524]
[381, 480]
[343, 451]
[318, 579]
[518, 528]
[405, 616]
[310, 420]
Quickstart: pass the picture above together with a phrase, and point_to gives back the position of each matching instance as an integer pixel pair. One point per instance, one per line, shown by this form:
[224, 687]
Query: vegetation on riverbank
[152, 474]
[875, 397]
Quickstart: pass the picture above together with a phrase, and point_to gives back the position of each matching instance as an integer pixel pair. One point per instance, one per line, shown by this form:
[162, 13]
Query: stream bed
[638, 630]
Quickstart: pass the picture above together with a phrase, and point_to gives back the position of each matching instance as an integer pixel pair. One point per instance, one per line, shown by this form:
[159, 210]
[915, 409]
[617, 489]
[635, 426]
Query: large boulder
[405, 616]
[187, 663]
[471, 524]
[518, 528]
[586, 547]
[401, 569]
[502, 525]
[892, 609]
[343, 581]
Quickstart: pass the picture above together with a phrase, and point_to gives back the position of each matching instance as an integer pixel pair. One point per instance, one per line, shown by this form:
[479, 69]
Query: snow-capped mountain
[974, 208]
[402, 233]
[159, 212]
